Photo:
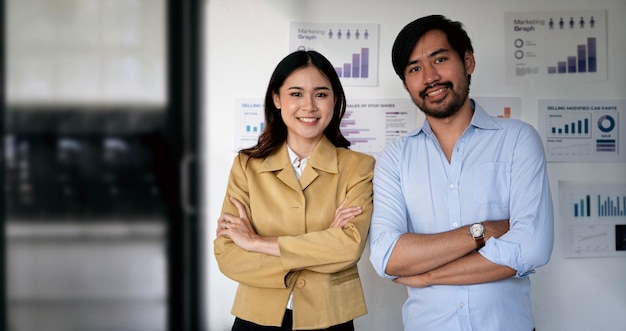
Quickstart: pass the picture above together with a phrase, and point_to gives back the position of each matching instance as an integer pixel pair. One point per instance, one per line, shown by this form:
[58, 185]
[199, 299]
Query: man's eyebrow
[431, 55]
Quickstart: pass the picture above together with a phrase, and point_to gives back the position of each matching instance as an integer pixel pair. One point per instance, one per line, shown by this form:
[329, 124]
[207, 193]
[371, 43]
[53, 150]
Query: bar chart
[352, 48]
[554, 45]
[257, 128]
[570, 125]
[358, 67]
[250, 121]
[583, 130]
[585, 60]
[605, 206]
[356, 134]
[593, 213]
[500, 107]
[370, 124]
[506, 113]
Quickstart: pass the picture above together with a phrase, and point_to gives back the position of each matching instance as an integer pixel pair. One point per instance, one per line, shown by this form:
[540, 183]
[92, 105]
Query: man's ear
[469, 61]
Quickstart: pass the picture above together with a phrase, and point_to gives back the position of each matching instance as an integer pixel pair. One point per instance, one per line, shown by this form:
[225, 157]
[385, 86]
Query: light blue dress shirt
[497, 171]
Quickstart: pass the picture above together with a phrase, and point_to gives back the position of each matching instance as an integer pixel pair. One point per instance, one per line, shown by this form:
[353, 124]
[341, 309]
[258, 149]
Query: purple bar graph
[356, 65]
[592, 56]
[365, 62]
[346, 70]
[358, 68]
[571, 64]
[582, 55]
[585, 60]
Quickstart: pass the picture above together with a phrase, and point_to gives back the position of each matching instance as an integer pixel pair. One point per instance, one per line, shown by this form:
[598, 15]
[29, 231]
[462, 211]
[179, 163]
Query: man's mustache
[423, 93]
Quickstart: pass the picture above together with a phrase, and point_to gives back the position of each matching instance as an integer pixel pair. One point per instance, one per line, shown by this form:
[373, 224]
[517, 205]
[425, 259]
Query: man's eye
[415, 69]
[439, 60]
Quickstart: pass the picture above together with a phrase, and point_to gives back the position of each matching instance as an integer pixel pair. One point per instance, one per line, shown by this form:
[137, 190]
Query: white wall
[245, 39]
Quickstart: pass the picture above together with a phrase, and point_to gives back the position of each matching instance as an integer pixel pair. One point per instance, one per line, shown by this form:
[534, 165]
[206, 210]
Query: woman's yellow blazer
[317, 263]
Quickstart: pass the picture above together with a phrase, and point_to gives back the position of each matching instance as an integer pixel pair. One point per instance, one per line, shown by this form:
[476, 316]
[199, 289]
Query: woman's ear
[276, 99]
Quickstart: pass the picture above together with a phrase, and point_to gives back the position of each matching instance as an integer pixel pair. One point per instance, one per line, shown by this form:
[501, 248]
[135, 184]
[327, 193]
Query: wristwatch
[477, 231]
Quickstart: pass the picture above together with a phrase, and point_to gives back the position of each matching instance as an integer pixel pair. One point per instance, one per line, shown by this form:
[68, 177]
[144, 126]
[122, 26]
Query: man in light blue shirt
[462, 206]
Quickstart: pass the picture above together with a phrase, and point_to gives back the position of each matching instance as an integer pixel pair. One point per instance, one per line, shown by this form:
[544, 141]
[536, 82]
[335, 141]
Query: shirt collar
[481, 119]
[323, 157]
[295, 160]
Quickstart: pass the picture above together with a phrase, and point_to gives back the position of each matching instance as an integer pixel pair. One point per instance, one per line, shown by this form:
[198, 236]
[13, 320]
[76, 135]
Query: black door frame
[184, 41]
[3, 293]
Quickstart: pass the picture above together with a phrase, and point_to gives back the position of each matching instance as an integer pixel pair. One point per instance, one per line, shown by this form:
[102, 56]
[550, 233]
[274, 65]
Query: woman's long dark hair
[275, 132]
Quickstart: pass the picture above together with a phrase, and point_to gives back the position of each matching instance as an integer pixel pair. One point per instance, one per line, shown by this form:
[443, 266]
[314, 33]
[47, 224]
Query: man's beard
[443, 108]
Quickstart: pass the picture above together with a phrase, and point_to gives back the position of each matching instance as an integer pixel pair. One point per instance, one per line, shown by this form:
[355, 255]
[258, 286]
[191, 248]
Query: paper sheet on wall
[501, 107]
[595, 218]
[370, 124]
[583, 130]
[556, 45]
[351, 47]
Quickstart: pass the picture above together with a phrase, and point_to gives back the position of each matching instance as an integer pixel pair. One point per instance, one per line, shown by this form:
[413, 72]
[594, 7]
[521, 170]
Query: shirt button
[452, 186]
[301, 283]
[456, 225]
[461, 305]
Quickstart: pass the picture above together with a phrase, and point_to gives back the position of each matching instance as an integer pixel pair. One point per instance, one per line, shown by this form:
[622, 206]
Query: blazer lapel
[323, 158]
[279, 162]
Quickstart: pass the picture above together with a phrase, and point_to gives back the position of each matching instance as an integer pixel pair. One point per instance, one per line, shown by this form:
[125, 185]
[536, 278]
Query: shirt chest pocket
[491, 182]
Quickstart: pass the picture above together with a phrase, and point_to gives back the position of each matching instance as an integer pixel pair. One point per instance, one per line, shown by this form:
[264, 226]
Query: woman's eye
[321, 95]
[296, 94]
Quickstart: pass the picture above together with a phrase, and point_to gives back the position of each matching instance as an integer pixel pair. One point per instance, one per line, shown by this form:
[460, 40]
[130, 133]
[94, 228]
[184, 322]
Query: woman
[297, 210]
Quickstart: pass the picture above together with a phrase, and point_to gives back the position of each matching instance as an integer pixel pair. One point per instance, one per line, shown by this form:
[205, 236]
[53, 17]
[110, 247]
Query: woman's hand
[344, 215]
[238, 228]
[241, 232]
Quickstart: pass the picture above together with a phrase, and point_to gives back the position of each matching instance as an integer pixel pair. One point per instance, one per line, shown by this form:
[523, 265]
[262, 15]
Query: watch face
[476, 230]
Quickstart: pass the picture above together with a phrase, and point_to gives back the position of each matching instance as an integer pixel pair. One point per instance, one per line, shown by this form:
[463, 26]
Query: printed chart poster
[501, 107]
[583, 130]
[351, 48]
[249, 121]
[561, 45]
[369, 124]
[595, 215]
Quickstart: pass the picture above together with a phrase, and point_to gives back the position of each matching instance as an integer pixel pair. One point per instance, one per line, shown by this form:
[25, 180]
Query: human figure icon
[582, 22]
[330, 34]
[571, 22]
[561, 23]
[551, 24]
[592, 22]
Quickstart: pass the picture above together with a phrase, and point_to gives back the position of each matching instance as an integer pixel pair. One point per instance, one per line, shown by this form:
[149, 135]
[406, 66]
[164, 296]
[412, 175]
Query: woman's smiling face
[306, 102]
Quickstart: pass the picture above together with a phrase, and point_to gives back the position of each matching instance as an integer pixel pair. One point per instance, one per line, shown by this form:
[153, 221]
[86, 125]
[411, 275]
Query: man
[462, 206]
